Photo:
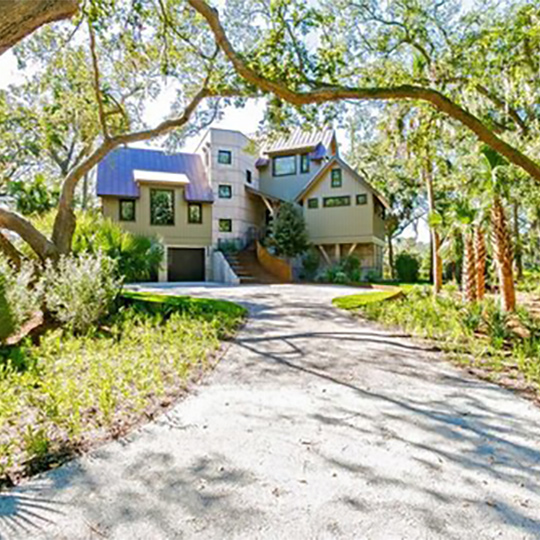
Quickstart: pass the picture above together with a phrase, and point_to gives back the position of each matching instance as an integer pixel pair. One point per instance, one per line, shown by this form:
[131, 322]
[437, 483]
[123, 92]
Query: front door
[185, 264]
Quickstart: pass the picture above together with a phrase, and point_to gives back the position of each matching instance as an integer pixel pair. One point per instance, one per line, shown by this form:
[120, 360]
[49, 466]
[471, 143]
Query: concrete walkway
[313, 426]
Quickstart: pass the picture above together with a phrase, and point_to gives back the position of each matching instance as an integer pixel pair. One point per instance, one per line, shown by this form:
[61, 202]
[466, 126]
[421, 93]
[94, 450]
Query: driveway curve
[313, 426]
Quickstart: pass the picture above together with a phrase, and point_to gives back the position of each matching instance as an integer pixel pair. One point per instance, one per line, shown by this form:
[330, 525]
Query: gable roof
[116, 173]
[301, 140]
[337, 160]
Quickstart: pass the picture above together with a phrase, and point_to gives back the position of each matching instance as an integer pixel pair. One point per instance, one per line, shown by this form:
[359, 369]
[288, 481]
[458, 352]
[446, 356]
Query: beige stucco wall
[343, 224]
[242, 208]
[181, 234]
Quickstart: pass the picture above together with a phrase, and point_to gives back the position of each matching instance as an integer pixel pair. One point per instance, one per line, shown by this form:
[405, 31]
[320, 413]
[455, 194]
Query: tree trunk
[18, 18]
[436, 261]
[480, 256]
[85, 192]
[469, 285]
[391, 256]
[502, 251]
[518, 256]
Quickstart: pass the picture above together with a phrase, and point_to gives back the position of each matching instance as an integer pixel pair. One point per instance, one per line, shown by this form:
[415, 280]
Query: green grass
[356, 301]
[480, 335]
[70, 391]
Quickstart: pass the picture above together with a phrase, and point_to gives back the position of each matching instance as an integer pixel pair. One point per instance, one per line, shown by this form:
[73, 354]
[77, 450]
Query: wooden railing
[279, 268]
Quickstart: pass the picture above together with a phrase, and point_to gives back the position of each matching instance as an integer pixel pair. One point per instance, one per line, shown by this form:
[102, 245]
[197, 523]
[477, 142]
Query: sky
[244, 119]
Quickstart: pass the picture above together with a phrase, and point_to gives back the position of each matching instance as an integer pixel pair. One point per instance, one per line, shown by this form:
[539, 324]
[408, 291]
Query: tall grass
[480, 334]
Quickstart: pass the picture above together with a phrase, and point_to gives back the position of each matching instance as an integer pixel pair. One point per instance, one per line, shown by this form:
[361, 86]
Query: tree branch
[97, 85]
[64, 224]
[10, 251]
[338, 93]
[12, 221]
[18, 18]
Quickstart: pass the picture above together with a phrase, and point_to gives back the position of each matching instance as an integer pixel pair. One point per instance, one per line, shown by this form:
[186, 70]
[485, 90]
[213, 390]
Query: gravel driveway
[313, 426]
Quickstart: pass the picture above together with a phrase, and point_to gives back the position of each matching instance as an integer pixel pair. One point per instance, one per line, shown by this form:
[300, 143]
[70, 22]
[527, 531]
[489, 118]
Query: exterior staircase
[246, 266]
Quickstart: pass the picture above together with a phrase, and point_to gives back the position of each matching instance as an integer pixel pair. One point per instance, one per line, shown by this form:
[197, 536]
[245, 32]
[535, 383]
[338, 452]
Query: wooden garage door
[185, 264]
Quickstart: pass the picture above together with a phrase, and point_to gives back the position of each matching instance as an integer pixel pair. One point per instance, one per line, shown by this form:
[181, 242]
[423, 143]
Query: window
[225, 191]
[361, 198]
[162, 207]
[248, 176]
[284, 165]
[127, 210]
[225, 225]
[336, 178]
[331, 202]
[304, 163]
[194, 213]
[313, 203]
[224, 157]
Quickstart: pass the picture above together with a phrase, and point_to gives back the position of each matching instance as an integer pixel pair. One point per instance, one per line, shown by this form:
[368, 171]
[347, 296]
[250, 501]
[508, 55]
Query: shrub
[7, 322]
[22, 290]
[79, 291]
[137, 257]
[310, 263]
[289, 235]
[407, 267]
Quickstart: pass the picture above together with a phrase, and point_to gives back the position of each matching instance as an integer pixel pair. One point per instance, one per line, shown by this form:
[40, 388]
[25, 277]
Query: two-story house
[227, 191]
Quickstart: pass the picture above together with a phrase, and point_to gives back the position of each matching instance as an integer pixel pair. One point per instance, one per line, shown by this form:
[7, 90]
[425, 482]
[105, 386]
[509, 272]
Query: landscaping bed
[502, 348]
[71, 391]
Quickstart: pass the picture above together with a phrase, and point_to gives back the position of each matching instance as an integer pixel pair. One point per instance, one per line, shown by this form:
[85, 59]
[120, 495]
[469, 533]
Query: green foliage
[33, 197]
[228, 314]
[137, 257]
[76, 388]
[311, 262]
[7, 322]
[289, 235]
[480, 334]
[79, 291]
[229, 246]
[407, 266]
[22, 292]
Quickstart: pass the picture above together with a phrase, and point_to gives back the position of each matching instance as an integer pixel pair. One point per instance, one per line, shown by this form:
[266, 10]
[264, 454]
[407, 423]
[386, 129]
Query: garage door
[185, 264]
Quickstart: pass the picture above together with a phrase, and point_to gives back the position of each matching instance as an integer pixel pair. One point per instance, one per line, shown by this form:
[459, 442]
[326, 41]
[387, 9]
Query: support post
[325, 255]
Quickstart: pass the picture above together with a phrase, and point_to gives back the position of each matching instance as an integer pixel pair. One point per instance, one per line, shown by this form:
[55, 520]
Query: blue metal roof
[115, 172]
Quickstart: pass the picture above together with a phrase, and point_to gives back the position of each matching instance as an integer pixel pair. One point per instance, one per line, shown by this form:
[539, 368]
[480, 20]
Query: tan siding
[346, 224]
[181, 233]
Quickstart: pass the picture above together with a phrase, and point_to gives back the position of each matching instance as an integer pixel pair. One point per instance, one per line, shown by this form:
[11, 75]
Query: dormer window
[284, 166]
[304, 163]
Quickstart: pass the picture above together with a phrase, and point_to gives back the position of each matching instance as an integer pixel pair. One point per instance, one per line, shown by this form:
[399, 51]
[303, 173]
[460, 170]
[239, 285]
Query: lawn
[356, 301]
[69, 392]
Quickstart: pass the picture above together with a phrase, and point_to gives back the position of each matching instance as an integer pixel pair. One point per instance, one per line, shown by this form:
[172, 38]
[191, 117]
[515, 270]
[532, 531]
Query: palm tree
[480, 256]
[469, 285]
[502, 252]
[500, 234]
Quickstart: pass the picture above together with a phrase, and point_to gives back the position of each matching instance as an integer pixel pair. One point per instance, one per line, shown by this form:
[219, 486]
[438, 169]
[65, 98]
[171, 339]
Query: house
[226, 192]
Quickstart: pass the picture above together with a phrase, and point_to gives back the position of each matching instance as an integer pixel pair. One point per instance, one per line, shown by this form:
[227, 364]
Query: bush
[311, 263]
[7, 322]
[407, 267]
[22, 293]
[289, 235]
[79, 291]
[137, 257]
